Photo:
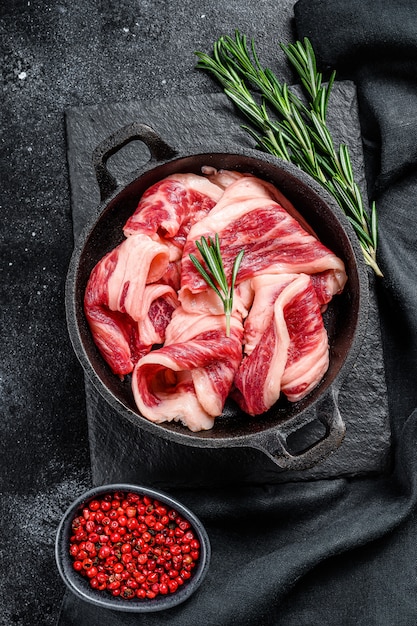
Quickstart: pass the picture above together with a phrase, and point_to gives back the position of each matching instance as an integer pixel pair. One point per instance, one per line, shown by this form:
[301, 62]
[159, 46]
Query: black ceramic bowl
[80, 585]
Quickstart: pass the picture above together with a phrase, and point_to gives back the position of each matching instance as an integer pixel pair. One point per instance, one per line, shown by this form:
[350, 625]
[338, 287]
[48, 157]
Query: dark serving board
[122, 452]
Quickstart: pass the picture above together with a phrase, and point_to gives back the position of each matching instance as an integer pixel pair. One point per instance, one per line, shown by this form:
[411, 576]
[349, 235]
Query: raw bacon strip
[221, 178]
[257, 384]
[134, 263]
[118, 303]
[247, 217]
[172, 275]
[267, 288]
[159, 301]
[328, 284]
[115, 335]
[308, 353]
[189, 379]
[285, 343]
[169, 208]
[225, 178]
[122, 340]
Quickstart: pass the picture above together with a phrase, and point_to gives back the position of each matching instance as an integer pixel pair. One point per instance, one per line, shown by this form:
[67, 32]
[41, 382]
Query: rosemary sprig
[291, 129]
[216, 277]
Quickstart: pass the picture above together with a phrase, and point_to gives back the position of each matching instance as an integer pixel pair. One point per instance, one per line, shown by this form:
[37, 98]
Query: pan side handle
[159, 150]
[277, 444]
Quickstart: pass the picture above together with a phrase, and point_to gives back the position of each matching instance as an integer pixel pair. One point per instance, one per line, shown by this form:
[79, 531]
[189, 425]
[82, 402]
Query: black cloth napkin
[338, 551]
[374, 43]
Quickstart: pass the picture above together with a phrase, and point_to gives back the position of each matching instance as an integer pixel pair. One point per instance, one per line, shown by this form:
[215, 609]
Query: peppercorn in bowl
[131, 548]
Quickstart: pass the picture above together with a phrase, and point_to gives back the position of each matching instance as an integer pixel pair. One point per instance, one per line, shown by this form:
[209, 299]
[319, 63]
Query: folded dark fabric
[374, 43]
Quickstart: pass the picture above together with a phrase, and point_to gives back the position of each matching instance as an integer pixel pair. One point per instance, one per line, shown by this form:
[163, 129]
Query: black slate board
[123, 452]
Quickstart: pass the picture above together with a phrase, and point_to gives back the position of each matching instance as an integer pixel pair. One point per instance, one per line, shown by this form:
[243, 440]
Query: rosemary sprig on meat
[215, 275]
[285, 125]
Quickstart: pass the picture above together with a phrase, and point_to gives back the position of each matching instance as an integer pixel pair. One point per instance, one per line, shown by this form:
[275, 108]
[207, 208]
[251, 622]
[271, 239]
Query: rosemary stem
[228, 314]
[370, 258]
[299, 134]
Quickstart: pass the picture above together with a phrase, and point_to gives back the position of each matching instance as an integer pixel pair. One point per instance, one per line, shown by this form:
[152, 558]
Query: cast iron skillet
[345, 318]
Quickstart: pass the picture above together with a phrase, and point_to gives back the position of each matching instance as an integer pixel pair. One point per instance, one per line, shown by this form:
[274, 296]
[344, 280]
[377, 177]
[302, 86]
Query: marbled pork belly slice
[286, 346]
[247, 217]
[126, 316]
[169, 208]
[189, 378]
[267, 288]
[225, 178]
[159, 301]
[328, 284]
[220, 177]
[172, 275]
[257, 384]
[308, 353]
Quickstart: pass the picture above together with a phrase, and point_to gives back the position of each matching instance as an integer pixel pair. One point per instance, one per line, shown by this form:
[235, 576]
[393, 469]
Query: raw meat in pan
[126, 314]
[115, 306]
[328, 284]
[189, 378]
[248, 217]
[285, 281]
[286, 345]
[308, 352]
[169, 208]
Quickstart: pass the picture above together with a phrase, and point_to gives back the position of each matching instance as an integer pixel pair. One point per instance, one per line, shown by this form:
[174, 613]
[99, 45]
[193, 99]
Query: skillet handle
[159, 150]
[328, 414]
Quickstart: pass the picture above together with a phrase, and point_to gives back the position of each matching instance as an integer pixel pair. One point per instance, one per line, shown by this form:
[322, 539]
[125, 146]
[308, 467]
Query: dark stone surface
[54, 55]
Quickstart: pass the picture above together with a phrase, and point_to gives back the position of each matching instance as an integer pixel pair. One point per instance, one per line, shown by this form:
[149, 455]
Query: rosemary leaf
[322, 137]
[345, 163]
[216, 277]
[374, 222]
[209, 254]
[235, 270]
[204, 274]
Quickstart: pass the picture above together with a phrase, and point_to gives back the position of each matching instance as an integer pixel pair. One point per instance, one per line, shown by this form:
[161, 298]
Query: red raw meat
[308, 352]
[328, 284]
[285, 281]
[189, 378]
[169, 208]
[126, 309]
[286, 346]
[248, 217]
